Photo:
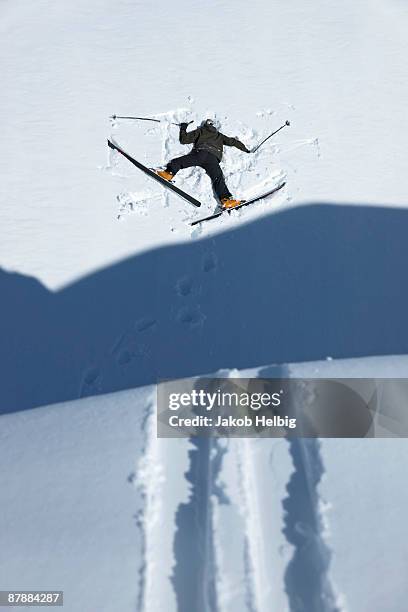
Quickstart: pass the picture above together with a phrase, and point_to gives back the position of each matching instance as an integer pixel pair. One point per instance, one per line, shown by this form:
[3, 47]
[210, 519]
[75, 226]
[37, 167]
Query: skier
[207, 154]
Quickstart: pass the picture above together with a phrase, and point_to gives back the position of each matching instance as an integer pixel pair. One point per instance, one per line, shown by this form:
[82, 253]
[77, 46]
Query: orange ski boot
[164, 174]
[230, 202]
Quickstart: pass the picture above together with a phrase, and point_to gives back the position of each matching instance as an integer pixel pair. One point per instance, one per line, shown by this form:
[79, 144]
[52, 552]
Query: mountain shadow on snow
[309, 282]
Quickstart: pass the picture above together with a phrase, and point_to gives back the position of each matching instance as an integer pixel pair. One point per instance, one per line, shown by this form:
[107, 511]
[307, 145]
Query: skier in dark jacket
[207, 154]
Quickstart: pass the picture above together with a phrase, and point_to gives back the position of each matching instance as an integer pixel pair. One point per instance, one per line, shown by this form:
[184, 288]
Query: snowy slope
[335, 70]
[104, 288]
[94, 504]
[99, 300]
[361, 503]
[300, 284]
[68, 512]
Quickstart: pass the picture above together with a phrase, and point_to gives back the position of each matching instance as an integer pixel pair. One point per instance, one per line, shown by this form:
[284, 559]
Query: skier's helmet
[212, 124]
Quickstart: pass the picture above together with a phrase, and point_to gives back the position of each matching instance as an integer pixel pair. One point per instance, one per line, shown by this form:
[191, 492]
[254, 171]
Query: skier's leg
[179, 163]
[176, 164]
[212, 167]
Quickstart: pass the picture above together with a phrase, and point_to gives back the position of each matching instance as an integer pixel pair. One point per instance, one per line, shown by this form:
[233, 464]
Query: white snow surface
[93, 503]
[104, 288]
[336, 71]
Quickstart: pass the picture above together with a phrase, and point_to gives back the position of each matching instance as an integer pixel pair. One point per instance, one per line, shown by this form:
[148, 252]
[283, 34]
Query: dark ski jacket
[208, 138]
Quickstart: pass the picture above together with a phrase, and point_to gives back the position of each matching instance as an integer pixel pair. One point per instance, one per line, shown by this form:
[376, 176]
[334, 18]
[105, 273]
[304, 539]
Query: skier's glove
[183, 126]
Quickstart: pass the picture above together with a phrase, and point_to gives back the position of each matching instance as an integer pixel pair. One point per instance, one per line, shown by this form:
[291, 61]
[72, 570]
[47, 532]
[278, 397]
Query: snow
[105, 288]
[361, 501]
[68, 510]
[336, 72]
[366, 526]
[302, 284]
[95, 504]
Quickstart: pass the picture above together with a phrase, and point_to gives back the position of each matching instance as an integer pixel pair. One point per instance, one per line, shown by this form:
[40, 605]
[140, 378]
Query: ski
[152, 174]
[220, 211]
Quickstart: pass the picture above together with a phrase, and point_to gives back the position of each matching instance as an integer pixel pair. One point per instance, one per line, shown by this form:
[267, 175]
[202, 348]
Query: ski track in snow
[221, 504]
[252, 555]
[193, 574]
[307, 579]
[202, 520]
[308, 584]
[158, 479]
[201, 576]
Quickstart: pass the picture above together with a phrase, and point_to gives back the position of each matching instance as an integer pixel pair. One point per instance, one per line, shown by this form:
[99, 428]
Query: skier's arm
[234, 142]
[187, 137]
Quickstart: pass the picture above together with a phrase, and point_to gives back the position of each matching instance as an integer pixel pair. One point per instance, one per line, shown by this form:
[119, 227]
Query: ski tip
[112, 144]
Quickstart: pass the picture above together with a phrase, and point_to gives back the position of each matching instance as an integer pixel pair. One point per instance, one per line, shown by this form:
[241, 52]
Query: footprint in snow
[191, 317]
[209, 262]
[91, 382]
[184, 286]
[91, 376]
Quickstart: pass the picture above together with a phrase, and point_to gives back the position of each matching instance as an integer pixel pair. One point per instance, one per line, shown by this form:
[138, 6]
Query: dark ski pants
[209, 163]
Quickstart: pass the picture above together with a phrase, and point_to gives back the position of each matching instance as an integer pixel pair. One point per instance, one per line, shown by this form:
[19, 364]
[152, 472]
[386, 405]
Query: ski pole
[136, 118]
[143, 119]
[270, 136]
